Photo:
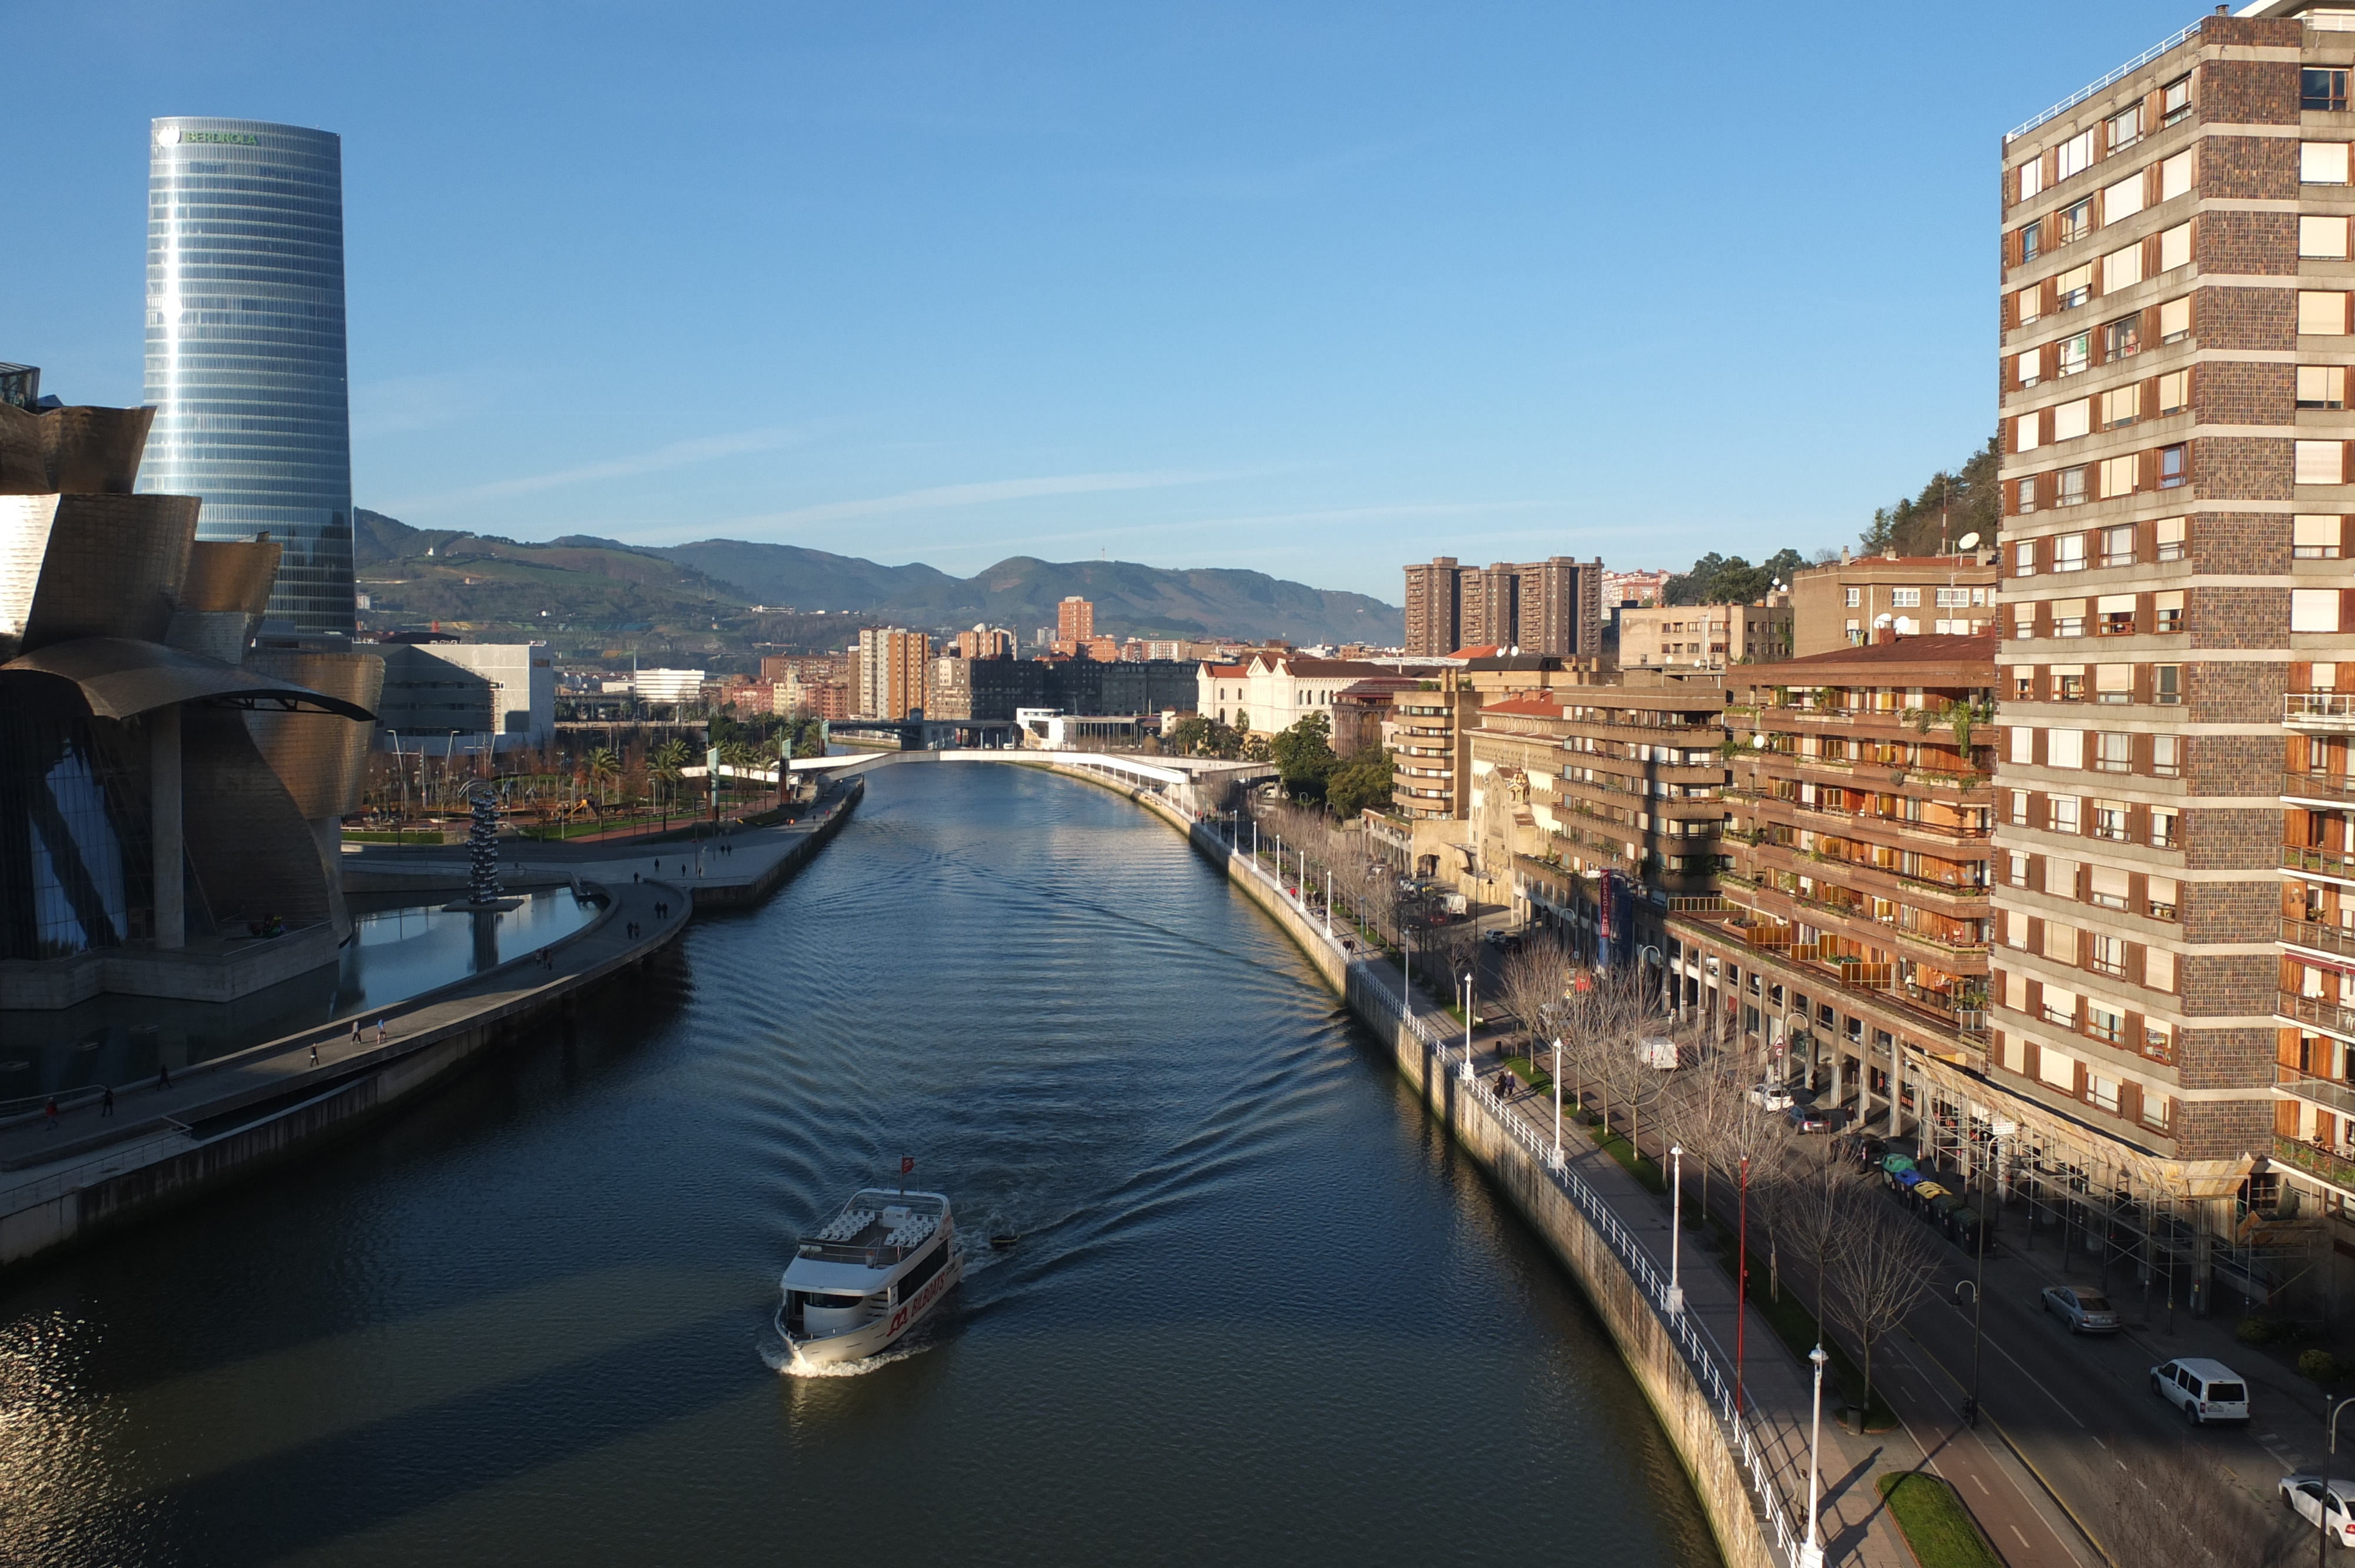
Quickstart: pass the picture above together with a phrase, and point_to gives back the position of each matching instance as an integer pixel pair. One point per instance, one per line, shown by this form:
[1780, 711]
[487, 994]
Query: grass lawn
[373, 836]
[1935, 1522]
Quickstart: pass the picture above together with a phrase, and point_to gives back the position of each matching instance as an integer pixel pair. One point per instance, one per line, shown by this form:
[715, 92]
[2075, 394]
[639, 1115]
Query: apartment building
[1839, 605]
[1704, 636]
[1853, 918]
[986, 642]
[1595, 808]
[894, 671]
[1273, 691]
[1551, 608]
[2176, 291]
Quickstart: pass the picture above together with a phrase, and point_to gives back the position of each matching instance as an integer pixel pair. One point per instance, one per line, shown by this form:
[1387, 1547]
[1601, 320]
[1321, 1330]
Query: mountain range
[727, 588]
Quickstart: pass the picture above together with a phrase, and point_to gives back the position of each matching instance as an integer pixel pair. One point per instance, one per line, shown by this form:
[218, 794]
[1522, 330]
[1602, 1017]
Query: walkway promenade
[97, 1164]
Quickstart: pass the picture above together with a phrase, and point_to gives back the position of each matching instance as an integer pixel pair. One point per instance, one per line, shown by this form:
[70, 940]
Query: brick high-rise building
[1551, 608]
[894, 670]
[1075, 620]
[2176, 349]
[986, 642]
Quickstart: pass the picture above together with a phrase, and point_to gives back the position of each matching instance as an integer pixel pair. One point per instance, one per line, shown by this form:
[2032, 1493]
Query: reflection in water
[1261, 1311]
[395, 954]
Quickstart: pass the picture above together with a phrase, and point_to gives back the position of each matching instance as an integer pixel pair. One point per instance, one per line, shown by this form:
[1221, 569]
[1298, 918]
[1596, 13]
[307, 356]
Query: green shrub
[2321, 1366]
[2255, 1331]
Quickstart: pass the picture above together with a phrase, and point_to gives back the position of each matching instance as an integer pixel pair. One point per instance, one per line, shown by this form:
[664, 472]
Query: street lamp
[1557, 1099]
[2322, 1503]
[1467, 1023]
[1676, 1219]
[1812, 1554]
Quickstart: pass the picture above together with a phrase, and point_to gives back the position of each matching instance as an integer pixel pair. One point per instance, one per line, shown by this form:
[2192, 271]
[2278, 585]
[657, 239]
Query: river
[1261, 1311]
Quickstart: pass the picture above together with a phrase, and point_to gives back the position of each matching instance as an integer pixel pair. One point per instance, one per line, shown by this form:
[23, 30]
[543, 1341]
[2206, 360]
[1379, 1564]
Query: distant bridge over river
[1194, 783]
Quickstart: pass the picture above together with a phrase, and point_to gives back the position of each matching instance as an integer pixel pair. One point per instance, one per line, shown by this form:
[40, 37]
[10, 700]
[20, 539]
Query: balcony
[2333, 786]
[2328, 1093]
[2320, 938]
[2321, 862]
[2319, 1012]
[2316, 1161]
[2332, 711]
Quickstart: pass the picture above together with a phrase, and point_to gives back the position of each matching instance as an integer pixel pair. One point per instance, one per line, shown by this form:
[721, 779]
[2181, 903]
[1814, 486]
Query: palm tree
[604, 767]
[664, 764]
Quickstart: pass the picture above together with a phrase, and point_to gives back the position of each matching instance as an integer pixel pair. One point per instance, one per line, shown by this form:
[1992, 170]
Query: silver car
[2085, 1311]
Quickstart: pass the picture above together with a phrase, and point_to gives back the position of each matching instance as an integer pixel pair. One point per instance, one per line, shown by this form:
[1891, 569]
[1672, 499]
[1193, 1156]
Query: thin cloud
[943, 497]
[678, 454]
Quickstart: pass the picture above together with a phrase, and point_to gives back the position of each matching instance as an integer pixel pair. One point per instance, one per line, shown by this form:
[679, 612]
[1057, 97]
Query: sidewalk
[89, 1144]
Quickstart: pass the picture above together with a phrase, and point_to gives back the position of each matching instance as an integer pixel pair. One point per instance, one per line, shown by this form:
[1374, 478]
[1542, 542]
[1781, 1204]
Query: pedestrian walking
[379, 1028]
[51, 1113]
[106, 1101]
[314, 1047]
[634, 879]
[356, 1036]
[162, 1076]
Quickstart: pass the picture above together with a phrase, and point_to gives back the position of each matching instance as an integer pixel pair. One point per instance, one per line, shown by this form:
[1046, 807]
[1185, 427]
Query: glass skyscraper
[245, 348]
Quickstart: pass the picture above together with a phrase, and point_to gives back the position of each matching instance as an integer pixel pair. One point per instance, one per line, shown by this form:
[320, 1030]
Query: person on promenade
[106, 1101]
[50, 1113]
[379, 1028]
[314, 1045]
[356, 1039]
[162, 1076]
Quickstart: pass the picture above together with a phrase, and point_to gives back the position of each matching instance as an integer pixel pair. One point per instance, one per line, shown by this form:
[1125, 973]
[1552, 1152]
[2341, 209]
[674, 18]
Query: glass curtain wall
[245, 348]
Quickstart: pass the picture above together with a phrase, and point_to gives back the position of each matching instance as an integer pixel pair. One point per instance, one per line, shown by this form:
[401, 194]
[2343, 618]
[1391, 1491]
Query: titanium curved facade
[245, 347]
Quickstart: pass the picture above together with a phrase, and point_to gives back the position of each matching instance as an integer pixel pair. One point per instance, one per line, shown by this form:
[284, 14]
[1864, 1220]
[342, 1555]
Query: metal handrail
[2083, 93]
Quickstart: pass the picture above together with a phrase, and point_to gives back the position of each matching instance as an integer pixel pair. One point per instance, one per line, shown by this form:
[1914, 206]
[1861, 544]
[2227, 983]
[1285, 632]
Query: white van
[1659, 1052]
[2203, 1390]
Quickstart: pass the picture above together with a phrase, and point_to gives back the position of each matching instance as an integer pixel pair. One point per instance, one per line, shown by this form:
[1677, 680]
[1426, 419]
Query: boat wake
[780, 1359]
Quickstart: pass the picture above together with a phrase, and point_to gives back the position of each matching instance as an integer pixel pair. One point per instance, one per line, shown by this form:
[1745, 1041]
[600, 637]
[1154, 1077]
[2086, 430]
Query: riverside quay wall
[227, 1119]
[1738, 1492]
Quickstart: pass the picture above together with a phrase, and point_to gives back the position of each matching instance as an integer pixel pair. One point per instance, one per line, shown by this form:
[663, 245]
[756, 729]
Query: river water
[1260, 1313]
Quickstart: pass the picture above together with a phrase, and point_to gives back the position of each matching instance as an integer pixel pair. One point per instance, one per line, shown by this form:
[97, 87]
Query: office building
[1839, 605]
[894, 669]
[245, 348]
[1553, 608]
[669, 687]
[499, 695]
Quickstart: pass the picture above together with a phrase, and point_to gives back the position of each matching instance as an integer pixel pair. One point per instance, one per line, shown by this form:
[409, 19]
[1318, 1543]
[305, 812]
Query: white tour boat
[870, 1275]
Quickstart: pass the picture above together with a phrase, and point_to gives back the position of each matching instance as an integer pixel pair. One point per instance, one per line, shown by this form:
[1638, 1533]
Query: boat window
[834, 1302]
[926, 1266]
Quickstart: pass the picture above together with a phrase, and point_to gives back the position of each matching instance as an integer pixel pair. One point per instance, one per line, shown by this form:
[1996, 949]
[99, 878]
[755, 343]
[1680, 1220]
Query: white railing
[1703, 1357]
[2083, 93]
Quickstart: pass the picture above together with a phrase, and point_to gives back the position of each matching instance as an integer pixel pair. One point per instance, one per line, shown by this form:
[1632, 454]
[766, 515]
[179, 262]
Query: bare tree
[2178, 1506]
[1881, 1265]
[1535, 982]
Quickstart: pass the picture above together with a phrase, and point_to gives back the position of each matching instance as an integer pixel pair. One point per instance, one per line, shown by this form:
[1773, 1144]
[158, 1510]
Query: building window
[2024, 496]
[2073, 223]
[2126, 129]
[2119, 546]
[2069, 490]
[2321, 387]
[2175, 100]
[2108, 955]
[2173, 466]
[2030, 237]
[2313, 538]
[2068, 683]
[2163, 822]
[1855, 598]
[2175, 392]
[2175, 320]
[2322, 239]
[2322, 163]
[2166, 687]
[2064, 813]
[2031, 178]
[2174, 247]
[2121, 405]
[1905, 598]
[2158, 898]
[2069, 549]
[2114, 682]
[2023, 554]
[2076, 155]
[2074, 287]
[2321, 313]
[2117, 614]
[2068, 617]
[2320, 463]
[2317, 89]
[2168, 536]
[2113, 754]
[2074, 354]
[2032, 363]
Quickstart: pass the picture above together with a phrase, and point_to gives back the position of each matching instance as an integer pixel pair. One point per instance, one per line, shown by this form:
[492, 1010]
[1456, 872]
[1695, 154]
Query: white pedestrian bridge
[1189, 780]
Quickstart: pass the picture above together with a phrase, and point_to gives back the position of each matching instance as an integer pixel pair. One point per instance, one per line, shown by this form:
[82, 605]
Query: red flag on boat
[907, 1163]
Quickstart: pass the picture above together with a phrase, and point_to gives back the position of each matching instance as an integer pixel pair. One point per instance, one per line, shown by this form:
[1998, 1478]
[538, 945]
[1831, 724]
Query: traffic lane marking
[2060, 1536]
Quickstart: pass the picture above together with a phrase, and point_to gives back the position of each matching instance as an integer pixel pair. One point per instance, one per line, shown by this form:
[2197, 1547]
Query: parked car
[2205, 1390]
[2304, 1496]
[1812, 1118]
[1503, 942]
[2084, 1312]
[1771, 1097]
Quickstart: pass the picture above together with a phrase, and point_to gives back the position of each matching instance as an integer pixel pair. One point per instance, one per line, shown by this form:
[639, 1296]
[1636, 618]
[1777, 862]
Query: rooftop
[1936, 653]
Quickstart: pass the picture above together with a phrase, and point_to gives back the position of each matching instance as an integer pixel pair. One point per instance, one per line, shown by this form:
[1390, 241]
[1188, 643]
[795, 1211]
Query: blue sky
[1313, 288]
